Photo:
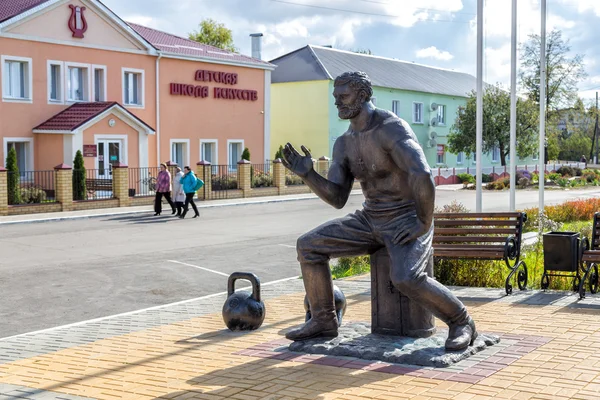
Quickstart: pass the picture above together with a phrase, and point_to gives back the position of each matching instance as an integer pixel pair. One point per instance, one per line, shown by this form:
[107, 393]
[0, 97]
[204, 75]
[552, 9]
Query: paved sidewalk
[104, 212]
[549, 350]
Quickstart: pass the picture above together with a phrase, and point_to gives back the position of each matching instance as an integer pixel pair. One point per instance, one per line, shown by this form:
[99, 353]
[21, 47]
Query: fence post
[279, 175]
[63, 185]
[3, 192]
[121, 184]
[244, 179]
[323, 166]
[204, 172]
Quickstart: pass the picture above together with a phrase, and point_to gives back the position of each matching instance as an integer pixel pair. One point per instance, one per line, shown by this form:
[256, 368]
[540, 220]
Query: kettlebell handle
[247, 276]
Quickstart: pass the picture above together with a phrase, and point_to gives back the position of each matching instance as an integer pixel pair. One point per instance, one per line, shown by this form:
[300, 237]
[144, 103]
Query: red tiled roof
[78, 114]
[12, 8]
[175, 44]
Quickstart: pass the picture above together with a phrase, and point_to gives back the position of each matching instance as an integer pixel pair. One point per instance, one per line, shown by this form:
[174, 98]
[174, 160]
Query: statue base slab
[356, 340]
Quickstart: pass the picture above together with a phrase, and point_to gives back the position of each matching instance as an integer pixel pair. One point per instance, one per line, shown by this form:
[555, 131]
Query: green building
[428, 98]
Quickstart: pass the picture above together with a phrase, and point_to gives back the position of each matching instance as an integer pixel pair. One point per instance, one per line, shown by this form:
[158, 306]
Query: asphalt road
[57, 273]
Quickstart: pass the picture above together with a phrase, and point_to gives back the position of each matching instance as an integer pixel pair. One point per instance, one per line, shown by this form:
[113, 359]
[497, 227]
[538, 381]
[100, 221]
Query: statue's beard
[350, 111]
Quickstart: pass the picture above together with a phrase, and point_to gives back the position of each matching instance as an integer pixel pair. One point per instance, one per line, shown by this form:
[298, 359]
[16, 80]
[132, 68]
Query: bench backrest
[477, 230]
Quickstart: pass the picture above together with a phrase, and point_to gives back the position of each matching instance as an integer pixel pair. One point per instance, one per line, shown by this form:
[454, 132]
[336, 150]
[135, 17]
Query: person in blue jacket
[189, 184]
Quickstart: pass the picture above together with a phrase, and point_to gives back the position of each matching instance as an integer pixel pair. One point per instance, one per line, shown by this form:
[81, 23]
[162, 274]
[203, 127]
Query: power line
[363, 12]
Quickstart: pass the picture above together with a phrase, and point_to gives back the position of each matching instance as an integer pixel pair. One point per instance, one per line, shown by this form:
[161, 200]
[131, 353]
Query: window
[396, 107]
[535, 156]
[23, 147]
[374, 101]
[99, 85]
[441, 114]
[235, 148]
[208, 151]
[77, 82]
[133, 86]
[496, 154]
[180, 154]
[460, 157]
[16, 81]
[440, 154]
[55, 82]
[418, 113]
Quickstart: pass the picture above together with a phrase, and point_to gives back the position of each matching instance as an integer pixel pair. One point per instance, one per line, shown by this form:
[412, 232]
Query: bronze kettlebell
[243, 311]
[340, 305]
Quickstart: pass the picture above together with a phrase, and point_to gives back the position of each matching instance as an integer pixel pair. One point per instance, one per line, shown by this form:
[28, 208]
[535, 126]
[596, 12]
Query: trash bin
[561, 253]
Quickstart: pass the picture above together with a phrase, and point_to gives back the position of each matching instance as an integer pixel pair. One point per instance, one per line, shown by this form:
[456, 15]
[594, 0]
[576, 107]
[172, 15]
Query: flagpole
[479, 113]
[542, 155]
[513, 107]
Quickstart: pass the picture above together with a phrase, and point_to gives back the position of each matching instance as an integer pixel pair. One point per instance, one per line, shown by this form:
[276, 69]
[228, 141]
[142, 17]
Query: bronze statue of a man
[381, 151]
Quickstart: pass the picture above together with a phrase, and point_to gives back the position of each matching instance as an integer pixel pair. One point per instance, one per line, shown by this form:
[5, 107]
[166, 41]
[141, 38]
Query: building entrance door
[109, 153]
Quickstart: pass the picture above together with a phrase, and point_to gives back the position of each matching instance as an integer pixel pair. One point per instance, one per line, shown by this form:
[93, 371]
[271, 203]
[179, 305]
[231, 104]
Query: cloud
[433, 52]
[582, 6]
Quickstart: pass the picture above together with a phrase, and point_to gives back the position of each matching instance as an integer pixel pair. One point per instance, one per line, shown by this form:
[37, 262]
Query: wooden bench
[482, 236]
[589, 258]
[94, 185]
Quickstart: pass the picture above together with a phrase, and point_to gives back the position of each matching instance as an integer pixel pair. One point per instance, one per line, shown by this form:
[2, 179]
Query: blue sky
[440, 33]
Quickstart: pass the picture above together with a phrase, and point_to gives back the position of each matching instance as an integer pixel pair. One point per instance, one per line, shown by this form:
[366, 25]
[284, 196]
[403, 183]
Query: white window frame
[442, 120]
[29, 154]
[141, 87]
[229, 141]
[86, 97]
[186, 151]
[396, 103]
[28, 79]
[413, 112]
[216, 143]
[437, 156]
[61, 84]
[495, 149]
[460, 158]
[93, 84]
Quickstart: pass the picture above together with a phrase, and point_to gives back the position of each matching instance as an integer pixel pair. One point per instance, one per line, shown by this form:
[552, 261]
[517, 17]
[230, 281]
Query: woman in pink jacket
[163, 188]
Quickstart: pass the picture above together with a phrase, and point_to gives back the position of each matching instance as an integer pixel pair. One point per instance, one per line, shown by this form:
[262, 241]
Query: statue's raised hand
[295, 162]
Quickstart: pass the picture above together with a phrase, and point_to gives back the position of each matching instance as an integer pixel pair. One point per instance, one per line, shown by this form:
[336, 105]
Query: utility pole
[596, 130]
[542, 155]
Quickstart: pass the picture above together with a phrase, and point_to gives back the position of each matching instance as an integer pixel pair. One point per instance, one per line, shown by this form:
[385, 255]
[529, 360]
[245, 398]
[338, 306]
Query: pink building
[74, 76]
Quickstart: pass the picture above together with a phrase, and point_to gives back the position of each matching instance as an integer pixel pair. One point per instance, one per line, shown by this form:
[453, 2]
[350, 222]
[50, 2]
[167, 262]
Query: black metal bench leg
[521, 277]
[590, 275]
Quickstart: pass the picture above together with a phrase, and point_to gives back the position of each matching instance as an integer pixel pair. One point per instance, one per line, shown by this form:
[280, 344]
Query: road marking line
[195, 266]
[287, 245]
[140, 311]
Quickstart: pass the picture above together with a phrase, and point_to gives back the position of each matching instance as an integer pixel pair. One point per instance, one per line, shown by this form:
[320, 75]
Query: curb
[91, 216]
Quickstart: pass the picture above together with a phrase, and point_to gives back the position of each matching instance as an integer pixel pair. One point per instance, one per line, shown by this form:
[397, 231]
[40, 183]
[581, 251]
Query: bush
[569, 211]
[485, 178]
[32, 195]
[466, 178]
[13, 178]
[245, 155]
[349, 266]
[453, 207]
[523, 182]
[577, 171]
[262, 180]
[291, 180]
[523, 174]
[499, 184]
[562, 182]
[279, 153]
[565, 170]
[79, 189]
[224, 183]
[553, 176]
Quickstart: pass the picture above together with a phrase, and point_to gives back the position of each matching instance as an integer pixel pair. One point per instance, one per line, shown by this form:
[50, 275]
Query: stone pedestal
[392, 313]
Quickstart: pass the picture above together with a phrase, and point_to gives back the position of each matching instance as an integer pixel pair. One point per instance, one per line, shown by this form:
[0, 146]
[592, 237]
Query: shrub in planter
[523, 182]
[13, 178]
[262, 180]
[291, 180]
[554, 177]
[485, 178]
[79, 189]
[453, 207]
[32, 195]
[577, 171]
[565, 170]
[465, 179]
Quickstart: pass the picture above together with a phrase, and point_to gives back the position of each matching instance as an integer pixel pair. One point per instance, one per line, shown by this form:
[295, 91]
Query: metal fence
[261, 175]
[31, 187]
[142, 181]
[223, 179]
[92, 184]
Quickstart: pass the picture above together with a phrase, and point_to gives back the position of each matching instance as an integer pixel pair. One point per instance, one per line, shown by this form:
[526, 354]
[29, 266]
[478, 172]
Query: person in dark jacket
[189, 184]
[163, 188]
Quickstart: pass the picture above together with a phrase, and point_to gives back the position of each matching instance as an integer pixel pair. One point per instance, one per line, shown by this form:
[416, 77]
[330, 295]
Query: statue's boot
[446, 306]
[319, 290]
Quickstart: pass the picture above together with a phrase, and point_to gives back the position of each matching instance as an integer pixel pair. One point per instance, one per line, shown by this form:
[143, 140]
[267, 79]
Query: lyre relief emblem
[77, 22]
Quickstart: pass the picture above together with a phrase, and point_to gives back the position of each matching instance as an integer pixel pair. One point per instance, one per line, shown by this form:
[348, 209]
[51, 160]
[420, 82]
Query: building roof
[78, 114]
[323, 63]
[12, 8]
[169, 43]
[164, 42]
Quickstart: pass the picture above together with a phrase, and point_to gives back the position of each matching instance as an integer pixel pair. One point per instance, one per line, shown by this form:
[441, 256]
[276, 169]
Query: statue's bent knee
[305, 246]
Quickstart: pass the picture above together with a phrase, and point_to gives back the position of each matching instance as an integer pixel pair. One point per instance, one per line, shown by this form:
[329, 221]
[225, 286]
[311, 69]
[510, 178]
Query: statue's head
[351, 91]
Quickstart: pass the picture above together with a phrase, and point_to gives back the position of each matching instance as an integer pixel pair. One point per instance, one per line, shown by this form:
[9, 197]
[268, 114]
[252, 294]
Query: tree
[279, 153]
[13, 182]
[214, 34]
[562, 72]
[496, 125]
[79, 189]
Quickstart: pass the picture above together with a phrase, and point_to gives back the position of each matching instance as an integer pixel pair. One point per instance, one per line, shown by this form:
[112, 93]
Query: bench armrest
[512, 248]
